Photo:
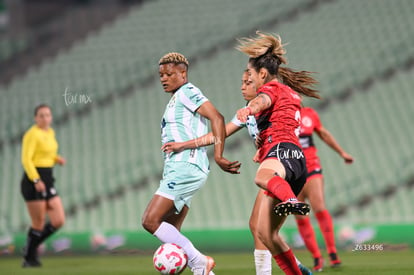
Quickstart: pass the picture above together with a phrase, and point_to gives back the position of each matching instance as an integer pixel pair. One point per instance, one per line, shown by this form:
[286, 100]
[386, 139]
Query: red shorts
[313, 165]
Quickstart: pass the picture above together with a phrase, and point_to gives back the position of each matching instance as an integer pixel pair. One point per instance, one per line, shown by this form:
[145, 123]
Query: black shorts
[314, 173]
[293, 159]
[29, 191]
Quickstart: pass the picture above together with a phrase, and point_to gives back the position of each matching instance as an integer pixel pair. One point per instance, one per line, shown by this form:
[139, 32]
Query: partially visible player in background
[185, 118]
[39, 155]
[282, 171]
[262, 256]
[313, 189]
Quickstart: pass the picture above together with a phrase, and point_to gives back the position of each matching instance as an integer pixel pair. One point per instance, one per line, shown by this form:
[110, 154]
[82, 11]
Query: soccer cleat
[292, 207]
[304, 270]
[318, 264]
[31, 263]
[335, 262]
[206, 269]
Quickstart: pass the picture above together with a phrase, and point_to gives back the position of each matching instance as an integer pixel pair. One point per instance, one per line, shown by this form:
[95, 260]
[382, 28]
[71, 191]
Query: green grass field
[380, 262]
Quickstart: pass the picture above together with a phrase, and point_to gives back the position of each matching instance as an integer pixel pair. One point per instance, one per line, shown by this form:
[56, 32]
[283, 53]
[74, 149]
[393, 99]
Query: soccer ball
[170, 258]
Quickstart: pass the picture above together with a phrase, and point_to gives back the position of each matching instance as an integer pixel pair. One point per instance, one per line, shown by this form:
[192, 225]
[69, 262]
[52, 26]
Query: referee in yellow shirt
[39, 155]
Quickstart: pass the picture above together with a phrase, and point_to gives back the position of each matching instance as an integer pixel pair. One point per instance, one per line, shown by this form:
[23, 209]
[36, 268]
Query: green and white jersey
[181, 122]
[250, 124]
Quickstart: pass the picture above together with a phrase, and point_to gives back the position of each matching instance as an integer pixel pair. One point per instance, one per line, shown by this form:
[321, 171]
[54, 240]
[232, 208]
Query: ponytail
[300, 81]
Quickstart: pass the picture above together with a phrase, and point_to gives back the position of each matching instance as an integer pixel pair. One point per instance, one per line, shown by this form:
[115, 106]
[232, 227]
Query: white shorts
[181, 180]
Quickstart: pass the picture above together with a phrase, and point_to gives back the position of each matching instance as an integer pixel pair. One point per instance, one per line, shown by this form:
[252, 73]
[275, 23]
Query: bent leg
[160, 220]
[56, 212]
[315, 190]
[305, 227]
[37, 212]
[270, 176]
[157, 211]
[262, 256]
[270, 225]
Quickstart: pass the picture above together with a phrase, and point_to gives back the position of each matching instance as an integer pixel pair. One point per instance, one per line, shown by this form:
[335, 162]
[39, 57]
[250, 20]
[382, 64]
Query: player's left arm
[256, 105]
[329, 139]
[208, 111]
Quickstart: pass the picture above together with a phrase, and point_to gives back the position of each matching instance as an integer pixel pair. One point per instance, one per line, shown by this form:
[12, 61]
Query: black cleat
[335, 261]
[292, 208]
[318, 264]
[31, 263]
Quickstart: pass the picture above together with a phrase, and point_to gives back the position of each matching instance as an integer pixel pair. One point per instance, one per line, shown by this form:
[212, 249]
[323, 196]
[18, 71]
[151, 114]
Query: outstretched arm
[256, 105]
[329, 139]
[205, 140]
[208, 110]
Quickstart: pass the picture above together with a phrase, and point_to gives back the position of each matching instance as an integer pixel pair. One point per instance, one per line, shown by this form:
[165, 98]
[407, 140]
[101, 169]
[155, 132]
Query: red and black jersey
[310, 122]
[281, 121]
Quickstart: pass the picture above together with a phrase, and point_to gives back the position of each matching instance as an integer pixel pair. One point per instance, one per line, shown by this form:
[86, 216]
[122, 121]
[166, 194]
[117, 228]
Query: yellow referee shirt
[39, 149]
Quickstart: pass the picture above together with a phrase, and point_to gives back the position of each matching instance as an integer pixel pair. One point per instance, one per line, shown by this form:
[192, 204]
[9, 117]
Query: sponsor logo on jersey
[307, 121]
[171, 185]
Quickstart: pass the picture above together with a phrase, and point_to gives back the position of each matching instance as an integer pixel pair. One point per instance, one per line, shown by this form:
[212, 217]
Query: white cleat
[205, 269]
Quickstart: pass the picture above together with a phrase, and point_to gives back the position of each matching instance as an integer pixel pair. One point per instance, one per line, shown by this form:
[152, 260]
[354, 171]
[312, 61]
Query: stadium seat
[114, 144]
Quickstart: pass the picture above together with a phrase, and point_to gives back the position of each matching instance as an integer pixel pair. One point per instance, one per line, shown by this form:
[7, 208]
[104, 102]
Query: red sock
[280, 188]
[308, 235]
[287, 262]
[326, 226]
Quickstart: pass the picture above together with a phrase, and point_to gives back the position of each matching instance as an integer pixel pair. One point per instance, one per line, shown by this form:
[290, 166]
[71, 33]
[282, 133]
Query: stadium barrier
[372, 238]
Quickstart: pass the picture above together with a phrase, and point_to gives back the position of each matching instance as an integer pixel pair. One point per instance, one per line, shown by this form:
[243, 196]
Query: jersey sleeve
[192, 98]
[237, 122]
[268, 90]
[316, 121]
[28, 149]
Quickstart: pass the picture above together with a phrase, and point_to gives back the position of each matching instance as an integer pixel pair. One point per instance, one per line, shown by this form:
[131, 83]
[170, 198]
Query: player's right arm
[28, 150]
[204, 140]
[261, 102]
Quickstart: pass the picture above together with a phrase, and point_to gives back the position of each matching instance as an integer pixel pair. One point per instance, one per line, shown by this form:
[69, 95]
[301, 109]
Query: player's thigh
[267, 220]
[158, 208]
[253, 222]
[267, 170]
[55, 211]
[269, 226]
[314, 189]
[177, 219]
[37, 213]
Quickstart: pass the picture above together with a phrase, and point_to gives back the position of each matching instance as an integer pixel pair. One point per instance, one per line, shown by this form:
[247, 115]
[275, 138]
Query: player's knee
[58, 223]
[38, 223]
[277, 239]
[260, 182]
[263, 236]
[253, 226]
[149, 223]
[317, 205]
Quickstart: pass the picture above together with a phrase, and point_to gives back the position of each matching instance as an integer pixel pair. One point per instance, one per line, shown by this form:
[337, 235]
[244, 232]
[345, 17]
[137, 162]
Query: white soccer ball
[170, 258]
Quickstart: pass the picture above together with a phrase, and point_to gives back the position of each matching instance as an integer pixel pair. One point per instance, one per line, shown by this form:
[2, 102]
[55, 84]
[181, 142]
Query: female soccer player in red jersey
[282, 170]
[313, 189]
[262, 256]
